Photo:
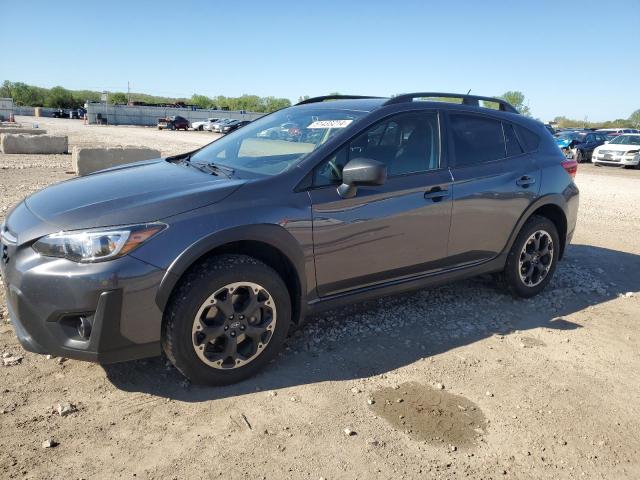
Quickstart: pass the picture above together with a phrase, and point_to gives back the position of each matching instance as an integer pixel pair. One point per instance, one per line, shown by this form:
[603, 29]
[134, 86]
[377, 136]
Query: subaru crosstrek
[214, 255]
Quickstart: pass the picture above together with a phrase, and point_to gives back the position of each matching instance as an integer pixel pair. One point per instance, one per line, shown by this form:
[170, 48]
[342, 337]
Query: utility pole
[128, 93]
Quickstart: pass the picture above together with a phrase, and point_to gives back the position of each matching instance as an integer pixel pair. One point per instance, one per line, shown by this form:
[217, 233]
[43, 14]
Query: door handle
[436, 194]
[525, 181]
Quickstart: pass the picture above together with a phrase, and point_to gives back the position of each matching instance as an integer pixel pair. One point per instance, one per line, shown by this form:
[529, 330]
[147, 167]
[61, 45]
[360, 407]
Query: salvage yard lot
[460, 381]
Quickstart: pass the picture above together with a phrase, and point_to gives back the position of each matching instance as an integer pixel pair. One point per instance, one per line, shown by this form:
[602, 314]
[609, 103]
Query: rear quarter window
[529, 140]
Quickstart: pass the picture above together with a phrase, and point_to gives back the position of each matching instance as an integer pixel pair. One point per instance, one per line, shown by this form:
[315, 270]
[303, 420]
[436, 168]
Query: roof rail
[333, 97]
[472, 100]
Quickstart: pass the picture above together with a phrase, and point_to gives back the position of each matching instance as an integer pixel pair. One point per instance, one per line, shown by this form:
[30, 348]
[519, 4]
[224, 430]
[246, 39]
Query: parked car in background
[579, 144]
[228, 247]
[624, 151]
[204, 124]
[175, 122]
[612, 133]
[233, 125]
[287, 131]
[77, 113]
[216, 127]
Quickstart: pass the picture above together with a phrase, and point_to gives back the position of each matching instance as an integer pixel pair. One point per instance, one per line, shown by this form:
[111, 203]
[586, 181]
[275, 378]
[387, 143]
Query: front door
[391, 231]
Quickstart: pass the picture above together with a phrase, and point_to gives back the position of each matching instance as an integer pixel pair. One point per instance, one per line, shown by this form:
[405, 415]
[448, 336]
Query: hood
[563, 141]
[135, 193]
[618, 147]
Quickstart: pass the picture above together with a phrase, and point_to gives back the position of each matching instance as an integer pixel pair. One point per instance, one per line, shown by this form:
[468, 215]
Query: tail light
[571, 166]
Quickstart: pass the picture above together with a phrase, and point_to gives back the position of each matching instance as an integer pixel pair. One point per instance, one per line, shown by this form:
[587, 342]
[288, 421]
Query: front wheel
[227, 319]
[533, 257]
[579, 156]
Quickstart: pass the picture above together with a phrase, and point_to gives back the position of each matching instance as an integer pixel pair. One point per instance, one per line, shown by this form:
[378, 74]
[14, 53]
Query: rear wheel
[227, 319]
[533, 257]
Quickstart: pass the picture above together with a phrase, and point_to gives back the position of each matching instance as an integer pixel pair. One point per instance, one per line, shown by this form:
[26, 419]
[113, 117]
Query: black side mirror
[361, 172]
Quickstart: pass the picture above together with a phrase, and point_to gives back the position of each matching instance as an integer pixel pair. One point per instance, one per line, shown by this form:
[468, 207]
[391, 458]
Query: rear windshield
[272, 144]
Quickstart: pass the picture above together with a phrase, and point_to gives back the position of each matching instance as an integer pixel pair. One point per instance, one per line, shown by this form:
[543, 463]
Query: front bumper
[620, 160]
[46, 297]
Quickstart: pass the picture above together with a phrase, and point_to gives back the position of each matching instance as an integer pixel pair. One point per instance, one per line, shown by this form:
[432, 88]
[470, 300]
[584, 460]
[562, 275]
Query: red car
[173, 123]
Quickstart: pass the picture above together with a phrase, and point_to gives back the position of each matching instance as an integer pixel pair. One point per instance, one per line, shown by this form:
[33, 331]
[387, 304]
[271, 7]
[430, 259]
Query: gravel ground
[460, 381]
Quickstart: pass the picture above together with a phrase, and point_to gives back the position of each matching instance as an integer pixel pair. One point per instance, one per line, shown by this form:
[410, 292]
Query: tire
[511, 277]
[579, 156]
[204, 362]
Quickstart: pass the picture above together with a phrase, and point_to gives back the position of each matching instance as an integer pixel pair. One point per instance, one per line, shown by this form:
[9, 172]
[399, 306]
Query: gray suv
[214, 255]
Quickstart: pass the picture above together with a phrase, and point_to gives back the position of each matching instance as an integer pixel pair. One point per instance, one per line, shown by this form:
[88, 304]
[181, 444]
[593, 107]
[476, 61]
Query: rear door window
[476, 139]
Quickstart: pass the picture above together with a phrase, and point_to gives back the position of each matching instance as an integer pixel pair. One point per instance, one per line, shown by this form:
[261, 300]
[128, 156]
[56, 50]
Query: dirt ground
[460, 381]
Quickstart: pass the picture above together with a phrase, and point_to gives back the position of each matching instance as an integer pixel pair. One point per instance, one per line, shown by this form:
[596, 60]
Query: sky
[579, 59]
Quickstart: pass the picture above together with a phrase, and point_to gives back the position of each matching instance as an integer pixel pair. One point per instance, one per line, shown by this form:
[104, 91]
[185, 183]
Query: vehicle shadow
[376, 337]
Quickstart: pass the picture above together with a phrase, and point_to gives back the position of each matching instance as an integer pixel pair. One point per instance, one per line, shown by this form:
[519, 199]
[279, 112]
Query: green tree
[271, 104]
[202, 101]
[119, 98]
[82, 96]
[517, 99]
[23, 94]
[5, 89]
[59, 97]
[634, 119]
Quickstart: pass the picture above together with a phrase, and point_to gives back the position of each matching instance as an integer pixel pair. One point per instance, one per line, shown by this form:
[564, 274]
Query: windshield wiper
[211, 167]
[217, 169]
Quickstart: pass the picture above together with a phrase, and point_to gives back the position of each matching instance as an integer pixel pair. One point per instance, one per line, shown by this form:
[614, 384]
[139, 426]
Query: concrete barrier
[89, 160]
[29, 131]
[31, 144]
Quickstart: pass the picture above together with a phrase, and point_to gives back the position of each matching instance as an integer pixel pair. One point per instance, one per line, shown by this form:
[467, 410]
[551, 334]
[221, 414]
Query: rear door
[391, 231]
[494, 181]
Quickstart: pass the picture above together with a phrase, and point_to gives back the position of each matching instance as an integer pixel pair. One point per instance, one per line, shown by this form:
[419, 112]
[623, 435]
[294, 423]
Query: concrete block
[29, 131]
[32, 144]
[88, 160]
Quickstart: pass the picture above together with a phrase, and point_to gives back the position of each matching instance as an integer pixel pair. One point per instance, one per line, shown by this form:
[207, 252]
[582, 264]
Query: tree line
[60, 97]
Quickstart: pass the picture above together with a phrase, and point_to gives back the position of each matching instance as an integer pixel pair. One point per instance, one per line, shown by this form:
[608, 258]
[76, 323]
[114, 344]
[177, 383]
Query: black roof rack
[333, 97]
[472, 100]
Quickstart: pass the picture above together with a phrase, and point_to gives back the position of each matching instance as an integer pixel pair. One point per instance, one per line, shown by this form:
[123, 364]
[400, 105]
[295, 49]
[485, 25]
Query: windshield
[274, 143]
[626, 140]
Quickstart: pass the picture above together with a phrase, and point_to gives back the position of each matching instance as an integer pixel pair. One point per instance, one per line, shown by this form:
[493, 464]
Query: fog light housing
[84, 328]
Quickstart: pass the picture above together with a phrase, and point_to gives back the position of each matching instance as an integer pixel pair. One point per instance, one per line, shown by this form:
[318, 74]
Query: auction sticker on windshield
[330, 124]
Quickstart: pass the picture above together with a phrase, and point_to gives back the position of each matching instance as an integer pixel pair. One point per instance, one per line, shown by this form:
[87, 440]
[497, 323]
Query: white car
[204, 124]
[624, 151]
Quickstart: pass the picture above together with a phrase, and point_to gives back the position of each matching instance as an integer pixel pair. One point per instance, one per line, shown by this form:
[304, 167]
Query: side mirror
[606, 141]
[361, 172]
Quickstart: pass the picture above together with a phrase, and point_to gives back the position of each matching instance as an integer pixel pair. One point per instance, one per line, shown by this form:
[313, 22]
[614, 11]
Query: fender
[555, 199]
[271, 234]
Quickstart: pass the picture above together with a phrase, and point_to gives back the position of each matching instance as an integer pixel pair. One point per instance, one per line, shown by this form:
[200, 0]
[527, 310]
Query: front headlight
[96, 245]
[632, 152]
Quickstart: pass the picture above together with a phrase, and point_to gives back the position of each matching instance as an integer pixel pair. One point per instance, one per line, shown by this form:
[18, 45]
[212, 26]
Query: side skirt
[417, 282]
